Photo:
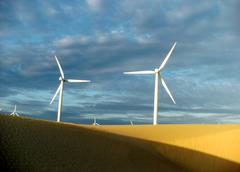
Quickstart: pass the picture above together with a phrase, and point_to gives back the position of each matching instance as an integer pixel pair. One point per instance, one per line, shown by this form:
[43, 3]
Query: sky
[100, 39]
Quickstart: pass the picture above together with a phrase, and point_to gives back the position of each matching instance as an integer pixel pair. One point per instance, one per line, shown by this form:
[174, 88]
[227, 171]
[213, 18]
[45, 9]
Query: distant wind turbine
[158, 76]
[95, 121]
[14, 113]
[61, 87]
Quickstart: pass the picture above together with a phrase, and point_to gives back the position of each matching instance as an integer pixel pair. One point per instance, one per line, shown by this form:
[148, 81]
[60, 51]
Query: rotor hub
[156, 70]
[61, 79]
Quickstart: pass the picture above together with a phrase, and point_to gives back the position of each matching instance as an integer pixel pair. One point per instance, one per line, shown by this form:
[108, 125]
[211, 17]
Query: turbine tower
[61, 87]
[95, 121]
[157, 73]
[14, 113]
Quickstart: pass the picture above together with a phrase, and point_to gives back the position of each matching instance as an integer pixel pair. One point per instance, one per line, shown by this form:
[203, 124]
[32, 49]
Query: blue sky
[100, 39]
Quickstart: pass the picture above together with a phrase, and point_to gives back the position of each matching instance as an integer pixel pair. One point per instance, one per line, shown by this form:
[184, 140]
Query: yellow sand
[38, 145]
[216, 146]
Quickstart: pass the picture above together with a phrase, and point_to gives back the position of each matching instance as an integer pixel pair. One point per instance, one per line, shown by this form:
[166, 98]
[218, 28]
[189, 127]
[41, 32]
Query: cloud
[68, 41]
[94, 5]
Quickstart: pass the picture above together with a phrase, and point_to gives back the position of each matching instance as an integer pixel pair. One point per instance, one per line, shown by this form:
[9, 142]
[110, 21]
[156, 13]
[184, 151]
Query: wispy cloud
[94, 5]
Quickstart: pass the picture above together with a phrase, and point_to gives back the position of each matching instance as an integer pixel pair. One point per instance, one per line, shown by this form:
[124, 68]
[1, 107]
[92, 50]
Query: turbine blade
[60, 68]
[140, 72]
[59, 87]
[167, 90]
[76, 80]
[167, 56]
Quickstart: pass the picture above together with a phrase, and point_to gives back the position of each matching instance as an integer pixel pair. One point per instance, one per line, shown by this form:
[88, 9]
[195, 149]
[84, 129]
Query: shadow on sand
[35, 145]
[188, 159]
[195, 160]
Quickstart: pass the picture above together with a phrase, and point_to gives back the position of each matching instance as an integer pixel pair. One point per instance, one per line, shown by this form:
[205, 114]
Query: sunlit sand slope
[200, 147]
[35, 145]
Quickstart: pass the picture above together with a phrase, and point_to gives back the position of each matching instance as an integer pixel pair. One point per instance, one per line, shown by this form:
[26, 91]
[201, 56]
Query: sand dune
[37, 145]
[202, 147]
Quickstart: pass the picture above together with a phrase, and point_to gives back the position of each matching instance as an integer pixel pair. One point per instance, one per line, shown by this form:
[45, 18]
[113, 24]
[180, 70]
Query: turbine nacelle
[61, 79]
[156, 70]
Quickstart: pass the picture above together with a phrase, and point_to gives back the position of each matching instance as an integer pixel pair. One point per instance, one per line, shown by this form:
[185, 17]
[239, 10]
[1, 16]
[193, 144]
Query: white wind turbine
[14, 113]
[95, 121]
[158, 76]
[61, 87]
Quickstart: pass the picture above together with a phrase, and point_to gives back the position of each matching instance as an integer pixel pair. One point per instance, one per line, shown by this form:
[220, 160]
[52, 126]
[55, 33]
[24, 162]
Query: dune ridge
[217, 139]
[38, 145]
[171, 147]
[197, 147]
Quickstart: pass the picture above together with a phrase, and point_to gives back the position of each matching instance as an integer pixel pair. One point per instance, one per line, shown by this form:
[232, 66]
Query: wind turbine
[95, 121]
[157, 72]
[61, 87]
[14, 113]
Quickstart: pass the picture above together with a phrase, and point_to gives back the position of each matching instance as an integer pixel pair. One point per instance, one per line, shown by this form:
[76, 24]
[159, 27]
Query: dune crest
[198, 147]
[37, 145]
